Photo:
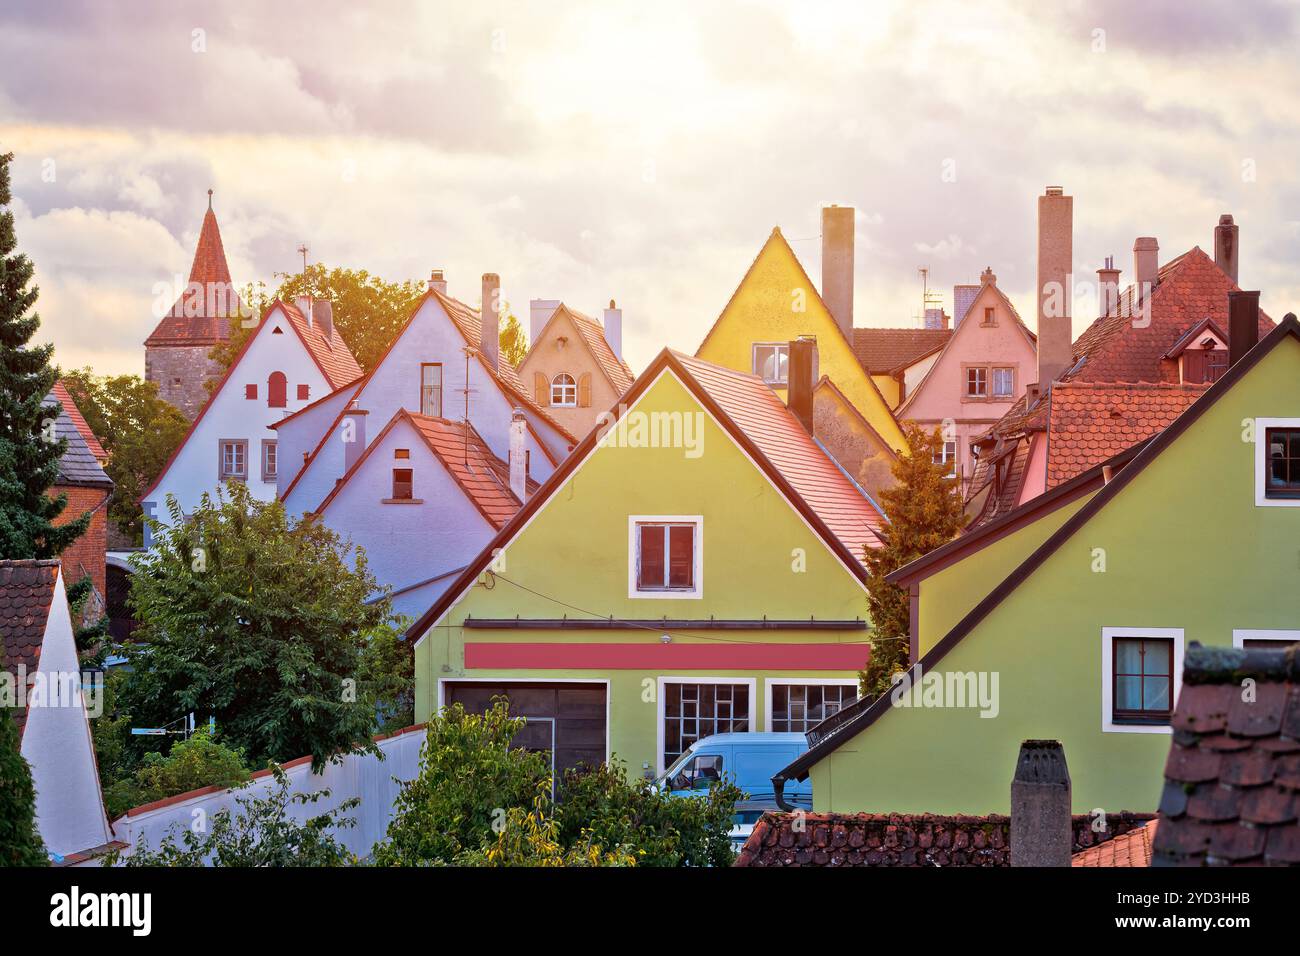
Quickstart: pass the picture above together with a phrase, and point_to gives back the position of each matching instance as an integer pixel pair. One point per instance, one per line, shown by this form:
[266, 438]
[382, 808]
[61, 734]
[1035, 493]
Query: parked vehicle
[748, 760]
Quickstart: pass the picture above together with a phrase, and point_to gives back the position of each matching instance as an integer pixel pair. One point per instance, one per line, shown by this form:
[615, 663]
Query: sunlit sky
[642, 152]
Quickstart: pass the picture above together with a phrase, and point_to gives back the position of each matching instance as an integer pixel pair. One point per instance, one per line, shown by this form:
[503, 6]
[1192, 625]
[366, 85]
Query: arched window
[277, 390]
[564, 391]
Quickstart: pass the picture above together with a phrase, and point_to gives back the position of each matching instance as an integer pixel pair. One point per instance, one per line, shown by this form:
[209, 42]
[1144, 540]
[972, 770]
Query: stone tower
[176, 353]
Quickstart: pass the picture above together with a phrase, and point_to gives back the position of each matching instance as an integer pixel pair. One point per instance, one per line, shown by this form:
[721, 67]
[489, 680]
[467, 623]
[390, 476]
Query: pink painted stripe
[791, 657]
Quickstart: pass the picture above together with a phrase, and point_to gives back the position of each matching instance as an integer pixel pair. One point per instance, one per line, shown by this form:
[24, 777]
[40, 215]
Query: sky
[642, 152]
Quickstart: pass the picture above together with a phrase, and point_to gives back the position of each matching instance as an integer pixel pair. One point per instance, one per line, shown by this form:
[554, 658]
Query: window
[1216, 363]
[1004, 383]
[402, 484]
[665, 556]
[1277, 462]
[431, 389]
[990, 316]
[277, 390]
[1143, 680]
[772, 362]
[233, 459]
[798, 706]
[303, 392]
[250, 391]
[401, 453]
[564, 391]
[270, 459]
[977, 382]
[698, 773]
[948, 457]
[692, 711]
[1268, 640]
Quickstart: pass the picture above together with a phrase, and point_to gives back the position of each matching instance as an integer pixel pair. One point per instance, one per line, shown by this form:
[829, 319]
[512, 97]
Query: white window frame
[783, 348]
[695, 592]
[661, 700]
[951, 462]
[770, 682]
[223, 474]
[1241, 635]
[994, 394]
[427, 390]
[1108, 635]
[570, 389]
[1262, 425]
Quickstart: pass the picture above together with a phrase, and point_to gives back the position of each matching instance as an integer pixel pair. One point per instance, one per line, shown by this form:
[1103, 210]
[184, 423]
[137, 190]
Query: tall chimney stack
[1042, 833]
[539, 313]
[802, 378]
[437, 281]
[489, 338]
[1146, 266]
[837, 264]
[518, 455]
[1108, 287]
[354, 435]
[614, 328]
[323, 316]
[1055, 281]
[1225, 246]
[1243, 324]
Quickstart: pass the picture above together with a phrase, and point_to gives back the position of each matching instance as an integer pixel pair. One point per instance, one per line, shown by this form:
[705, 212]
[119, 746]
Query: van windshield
[680, 762]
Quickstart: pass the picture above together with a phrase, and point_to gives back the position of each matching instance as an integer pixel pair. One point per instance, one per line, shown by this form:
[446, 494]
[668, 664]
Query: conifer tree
[29, 450]
[20, 843]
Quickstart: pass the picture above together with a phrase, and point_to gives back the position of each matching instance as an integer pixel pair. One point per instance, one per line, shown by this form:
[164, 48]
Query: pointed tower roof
[201, 316]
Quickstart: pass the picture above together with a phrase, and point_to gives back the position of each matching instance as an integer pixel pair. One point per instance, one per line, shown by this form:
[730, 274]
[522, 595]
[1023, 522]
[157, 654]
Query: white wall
[300, 435]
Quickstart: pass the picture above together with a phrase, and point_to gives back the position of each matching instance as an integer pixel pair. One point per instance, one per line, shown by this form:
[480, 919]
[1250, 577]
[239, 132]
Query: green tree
[259, 622]
[925, 511]
[261, 834]
[469, 780]
[514, 342]
[200, 761]
[603, 806]
[139, 431]
[29, 453]
[20, 843]
[532, 838]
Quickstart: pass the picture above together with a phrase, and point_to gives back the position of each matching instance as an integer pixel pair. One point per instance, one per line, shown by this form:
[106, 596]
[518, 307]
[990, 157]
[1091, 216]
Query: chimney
[837, 264]
[614, 328]
[303, 304]
[801, 379]
[1055, 280]
[518, 455]
[539, 312]
[323, 316]
[1243, 324]
[962, 297]
[1146, 266]
[354, 422]
[437, 283]
[1225, 246]
[1108, 287]
[1042, 833]
[490, 337]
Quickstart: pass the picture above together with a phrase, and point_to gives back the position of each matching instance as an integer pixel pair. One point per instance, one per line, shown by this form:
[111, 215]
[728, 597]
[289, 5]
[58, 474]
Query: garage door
[569, 718]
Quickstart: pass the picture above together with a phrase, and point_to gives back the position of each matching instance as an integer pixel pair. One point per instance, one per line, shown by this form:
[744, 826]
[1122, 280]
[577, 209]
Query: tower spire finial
[209, 200]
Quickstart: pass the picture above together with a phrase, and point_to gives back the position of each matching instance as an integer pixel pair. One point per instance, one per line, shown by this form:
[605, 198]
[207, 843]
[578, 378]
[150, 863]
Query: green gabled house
[1068, 617]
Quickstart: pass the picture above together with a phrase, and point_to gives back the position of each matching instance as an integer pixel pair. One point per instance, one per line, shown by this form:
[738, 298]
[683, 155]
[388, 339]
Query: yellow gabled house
[776, 302]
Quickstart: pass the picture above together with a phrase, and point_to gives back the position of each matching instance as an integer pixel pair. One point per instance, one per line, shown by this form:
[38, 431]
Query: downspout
[778, 789]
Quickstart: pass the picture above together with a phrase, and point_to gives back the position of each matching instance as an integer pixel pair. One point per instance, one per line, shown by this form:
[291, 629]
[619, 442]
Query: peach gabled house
[1153, 351]
[575, 364]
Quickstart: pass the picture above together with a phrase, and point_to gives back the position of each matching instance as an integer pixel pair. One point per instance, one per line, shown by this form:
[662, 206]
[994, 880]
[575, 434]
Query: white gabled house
[292, 359]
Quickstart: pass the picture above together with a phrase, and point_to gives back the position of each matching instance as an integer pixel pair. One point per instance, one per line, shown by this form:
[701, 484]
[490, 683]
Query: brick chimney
[323, 316]
[837, 264]
[518, 455]
[1108, 287]
[1243, 324]
[614, 328]
[1146, 266]
[802, 377]
[1042, 833]
[490, 337]
[1055, 281]
[437, 282]
[1225, 246]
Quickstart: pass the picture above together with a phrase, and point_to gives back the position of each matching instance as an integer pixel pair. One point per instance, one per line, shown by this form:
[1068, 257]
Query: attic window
[665, 556]
[772, 362]
[990, 316]
[1277, 462]
[401, 453]
[402, 484]
[277, 331]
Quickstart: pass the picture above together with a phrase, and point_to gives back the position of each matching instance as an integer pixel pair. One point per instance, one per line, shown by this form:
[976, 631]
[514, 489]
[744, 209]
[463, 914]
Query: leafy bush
[261, 834]
[20, 843]
[532, 839]
[469, 779]
[602, 805]
[200, 761]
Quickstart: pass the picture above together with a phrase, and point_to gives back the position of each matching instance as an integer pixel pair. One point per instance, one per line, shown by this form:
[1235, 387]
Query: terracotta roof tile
[1233, 771]
[483, 476]
[1128, 849]
[881, 351]
[593, 334]
[330, 352]
[201, 316]
[26, 594]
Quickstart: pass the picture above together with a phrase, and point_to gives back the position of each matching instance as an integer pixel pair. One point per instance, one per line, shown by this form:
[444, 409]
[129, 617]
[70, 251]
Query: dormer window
[772, 362]
[1204, 365]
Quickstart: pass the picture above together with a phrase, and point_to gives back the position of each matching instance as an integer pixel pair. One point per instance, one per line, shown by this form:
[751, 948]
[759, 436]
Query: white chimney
[489, 314]
[437, 282]
[539, 313]
[614, 328]
[1146, 265]
[354, 436]
[303, 304]
[323, 316]
[518, 455]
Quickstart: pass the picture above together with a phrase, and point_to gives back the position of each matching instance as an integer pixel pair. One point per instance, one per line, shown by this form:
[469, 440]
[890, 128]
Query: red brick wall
[88, 550]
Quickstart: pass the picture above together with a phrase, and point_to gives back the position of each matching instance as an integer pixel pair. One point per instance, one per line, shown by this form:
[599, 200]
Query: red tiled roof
[1091, 422]
[1127, 849]
[764, 418]
[26, 594]
[483, 476]
[881, 351]
[201, 316]
[1234, 763]
[330, 352]
[60, 391]
[593, 334]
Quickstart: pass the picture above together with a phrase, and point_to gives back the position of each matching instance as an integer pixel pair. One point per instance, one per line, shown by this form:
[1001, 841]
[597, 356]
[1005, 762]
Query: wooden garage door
[571, 715]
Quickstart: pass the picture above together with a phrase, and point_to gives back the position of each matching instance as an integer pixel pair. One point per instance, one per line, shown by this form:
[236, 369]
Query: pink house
[978, 375]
